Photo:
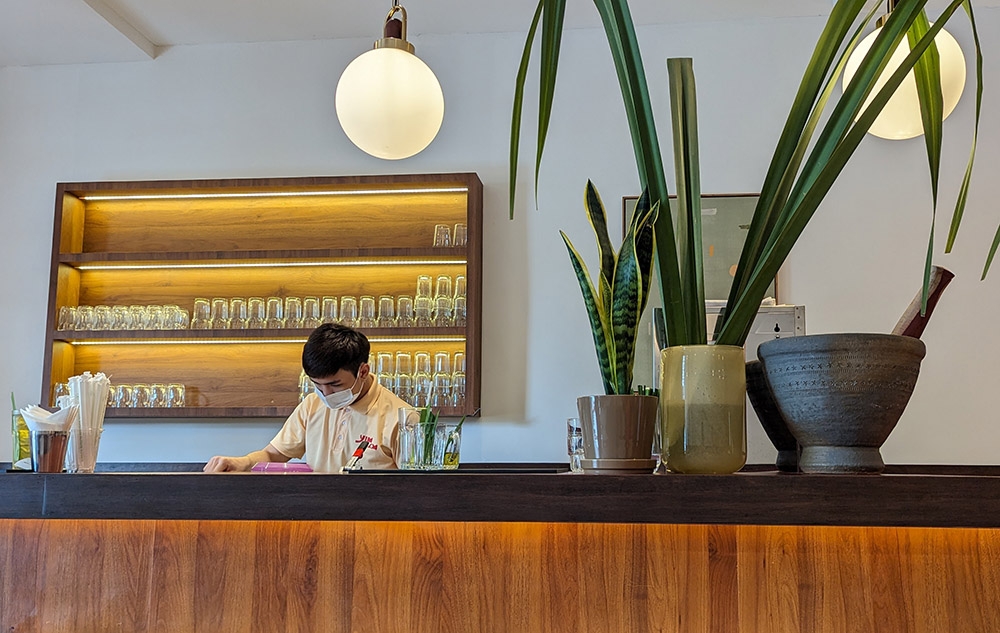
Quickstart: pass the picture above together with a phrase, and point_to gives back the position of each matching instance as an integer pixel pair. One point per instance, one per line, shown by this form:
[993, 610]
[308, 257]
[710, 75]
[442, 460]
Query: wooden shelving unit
[167, 242]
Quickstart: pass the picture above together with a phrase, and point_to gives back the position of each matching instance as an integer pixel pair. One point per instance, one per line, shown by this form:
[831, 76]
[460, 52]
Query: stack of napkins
[39, 419]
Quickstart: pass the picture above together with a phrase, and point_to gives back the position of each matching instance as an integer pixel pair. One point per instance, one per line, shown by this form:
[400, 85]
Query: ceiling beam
[122, 25]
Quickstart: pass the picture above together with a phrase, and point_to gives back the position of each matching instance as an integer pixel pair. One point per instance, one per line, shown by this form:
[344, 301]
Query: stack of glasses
[410, 377]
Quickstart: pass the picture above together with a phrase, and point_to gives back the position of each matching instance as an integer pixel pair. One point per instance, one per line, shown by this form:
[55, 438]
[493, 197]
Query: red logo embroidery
[370, 440]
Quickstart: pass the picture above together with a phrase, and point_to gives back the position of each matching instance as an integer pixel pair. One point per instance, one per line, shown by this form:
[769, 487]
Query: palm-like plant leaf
[599, 325]
[599, 222]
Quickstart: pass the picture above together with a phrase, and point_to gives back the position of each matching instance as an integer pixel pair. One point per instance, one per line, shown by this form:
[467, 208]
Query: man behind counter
[347, 407]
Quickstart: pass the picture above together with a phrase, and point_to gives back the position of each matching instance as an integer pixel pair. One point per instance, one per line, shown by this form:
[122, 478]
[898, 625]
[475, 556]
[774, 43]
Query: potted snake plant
[821, 133]
[618, 426]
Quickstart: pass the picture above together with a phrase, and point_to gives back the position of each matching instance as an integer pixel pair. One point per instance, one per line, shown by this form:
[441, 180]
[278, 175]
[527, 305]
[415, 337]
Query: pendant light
[389, 102]
[900, 119]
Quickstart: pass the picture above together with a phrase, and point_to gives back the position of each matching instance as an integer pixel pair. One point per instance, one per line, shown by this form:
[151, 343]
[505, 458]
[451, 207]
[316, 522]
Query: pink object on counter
[279, 468]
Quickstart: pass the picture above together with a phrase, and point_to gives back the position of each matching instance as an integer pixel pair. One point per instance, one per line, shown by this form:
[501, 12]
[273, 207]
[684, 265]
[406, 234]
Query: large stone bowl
[842, 394]
[769, 415]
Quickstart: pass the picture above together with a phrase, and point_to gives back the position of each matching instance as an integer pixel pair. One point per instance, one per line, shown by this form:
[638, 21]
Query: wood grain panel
[383, 221]
[71, 223]
[345, 576]
[182, 286]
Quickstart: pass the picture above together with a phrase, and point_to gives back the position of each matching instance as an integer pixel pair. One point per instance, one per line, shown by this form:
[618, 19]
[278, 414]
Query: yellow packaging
[21, 437]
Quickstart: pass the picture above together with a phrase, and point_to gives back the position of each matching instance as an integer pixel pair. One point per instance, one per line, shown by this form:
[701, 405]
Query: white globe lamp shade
[389, 103]
[900, 119]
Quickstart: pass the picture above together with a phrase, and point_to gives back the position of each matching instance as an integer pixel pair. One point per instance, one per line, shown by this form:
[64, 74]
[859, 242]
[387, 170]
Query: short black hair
[332, 347]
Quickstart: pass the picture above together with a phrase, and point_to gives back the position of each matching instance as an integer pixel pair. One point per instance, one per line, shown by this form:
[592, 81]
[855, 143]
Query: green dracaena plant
[812, 151]
[616, 302]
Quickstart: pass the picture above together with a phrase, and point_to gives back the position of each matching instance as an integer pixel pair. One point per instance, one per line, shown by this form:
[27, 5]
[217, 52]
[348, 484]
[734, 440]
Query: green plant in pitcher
[616, 302]
[427, 429]
[810, 155]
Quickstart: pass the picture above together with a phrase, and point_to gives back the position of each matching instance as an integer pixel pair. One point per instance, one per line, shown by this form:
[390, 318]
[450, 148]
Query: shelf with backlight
[375, 335]
[264, 258]
[170, 242]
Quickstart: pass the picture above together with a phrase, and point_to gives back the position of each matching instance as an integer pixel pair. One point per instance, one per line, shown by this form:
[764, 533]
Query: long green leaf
[927, 77]
[599, 325]
[684, 108]
[620, 32]
[645, 244]
[515, 119]
[824, 167]
[606, 252]
[553, 13]
[626, 309]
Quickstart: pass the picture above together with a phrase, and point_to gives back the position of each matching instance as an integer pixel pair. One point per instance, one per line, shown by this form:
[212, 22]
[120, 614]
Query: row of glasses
[443, 236]
[445, 306]
[121, 317]
[147, 396]
[415, 380]
[255, 313]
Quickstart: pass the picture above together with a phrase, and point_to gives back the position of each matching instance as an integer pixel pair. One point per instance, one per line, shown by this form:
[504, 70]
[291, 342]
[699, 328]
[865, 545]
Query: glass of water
[574, 444]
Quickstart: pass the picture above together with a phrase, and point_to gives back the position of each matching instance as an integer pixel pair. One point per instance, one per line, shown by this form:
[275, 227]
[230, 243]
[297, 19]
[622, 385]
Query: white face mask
[339, 399]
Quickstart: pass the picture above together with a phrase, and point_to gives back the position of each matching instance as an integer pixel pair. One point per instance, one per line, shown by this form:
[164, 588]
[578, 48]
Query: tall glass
[275, 311]
[366, 312]
[404, 376]
[310, 312]
[201, 315]
[349, 311]
[386, 311]
[404, 312]
[328, 310]
[256, 316]
[293, 312]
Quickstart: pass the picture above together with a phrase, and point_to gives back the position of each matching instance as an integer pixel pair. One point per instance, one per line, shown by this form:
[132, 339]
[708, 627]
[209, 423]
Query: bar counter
[915, 549]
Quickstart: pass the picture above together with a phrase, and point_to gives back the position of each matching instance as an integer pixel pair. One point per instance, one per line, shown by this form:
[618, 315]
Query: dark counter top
[919, 496]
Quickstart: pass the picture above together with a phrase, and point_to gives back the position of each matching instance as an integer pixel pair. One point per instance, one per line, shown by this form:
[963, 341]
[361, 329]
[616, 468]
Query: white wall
[267, 110]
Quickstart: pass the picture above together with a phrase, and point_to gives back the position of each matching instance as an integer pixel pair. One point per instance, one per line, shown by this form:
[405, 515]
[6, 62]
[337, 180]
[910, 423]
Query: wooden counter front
[562, 566]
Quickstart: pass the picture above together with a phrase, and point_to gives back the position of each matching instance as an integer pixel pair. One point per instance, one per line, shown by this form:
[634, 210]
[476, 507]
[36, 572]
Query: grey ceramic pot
[842, 394]
[775, 425]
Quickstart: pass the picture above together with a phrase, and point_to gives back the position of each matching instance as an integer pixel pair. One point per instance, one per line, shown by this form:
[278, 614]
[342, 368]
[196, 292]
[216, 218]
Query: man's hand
[221, 464]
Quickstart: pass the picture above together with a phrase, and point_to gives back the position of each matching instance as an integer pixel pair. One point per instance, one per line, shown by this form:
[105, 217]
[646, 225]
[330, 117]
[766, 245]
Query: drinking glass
[424, 286]
[442, 363]
[574, 444]
[123, 396]
[404, 376]
[293, 312]
[140, 396]
[461, 238]
[157, 395]
[459, 363]
[138, 314]
[422, 312]
[423, 363]
[67, 318]
[305, 386]
[458, 389]
[422, 387]
[460, 312]
[442, 316]
[442, 235]
[461, 286]
[201, 315]
[443, 287]
[441, 388]
[367, 312]
[385, 370]
[255, 313]
[84, 318]
[238, 313]
[404, 311]
[274, 318]
[348, 311]
[175, 395]
[328, 309]
[172, 317]
[154, 317]
[102, 317]
[310, 312]
[220, 313]
[386, 312]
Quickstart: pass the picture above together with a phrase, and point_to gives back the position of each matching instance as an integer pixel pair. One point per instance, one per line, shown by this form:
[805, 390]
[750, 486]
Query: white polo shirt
[327, 438]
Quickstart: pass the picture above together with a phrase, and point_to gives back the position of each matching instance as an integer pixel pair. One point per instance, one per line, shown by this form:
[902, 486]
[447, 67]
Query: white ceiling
[37, 32]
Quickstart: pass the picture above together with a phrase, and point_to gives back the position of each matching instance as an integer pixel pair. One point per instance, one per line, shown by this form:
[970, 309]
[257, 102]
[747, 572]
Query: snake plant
[616, 302]
[810, 155]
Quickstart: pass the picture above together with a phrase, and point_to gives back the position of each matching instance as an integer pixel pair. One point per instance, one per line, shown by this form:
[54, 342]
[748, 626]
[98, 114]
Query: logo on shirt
[370, 440]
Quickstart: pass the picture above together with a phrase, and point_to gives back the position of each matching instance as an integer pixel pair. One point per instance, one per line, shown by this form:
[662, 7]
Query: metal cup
[48, 451]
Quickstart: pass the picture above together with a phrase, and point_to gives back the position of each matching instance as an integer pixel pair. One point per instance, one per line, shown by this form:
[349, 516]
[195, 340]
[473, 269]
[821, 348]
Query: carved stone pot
[842, 394]
[774, 423]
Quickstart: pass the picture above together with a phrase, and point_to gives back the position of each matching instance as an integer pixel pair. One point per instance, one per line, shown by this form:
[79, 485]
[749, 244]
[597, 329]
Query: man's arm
[222, 464]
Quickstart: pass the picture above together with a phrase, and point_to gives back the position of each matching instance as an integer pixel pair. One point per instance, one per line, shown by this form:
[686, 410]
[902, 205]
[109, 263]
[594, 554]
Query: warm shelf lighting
[271, 194]
[900, 119]
[388, 101]
[393, 262]
[242, 341]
